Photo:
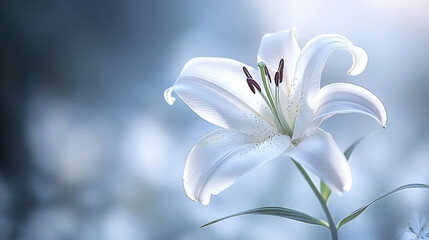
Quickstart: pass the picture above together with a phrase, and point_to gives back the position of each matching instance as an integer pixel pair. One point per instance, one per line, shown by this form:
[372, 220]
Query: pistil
[267, 88]
[272, 103]
[279, 76]
[252, 85]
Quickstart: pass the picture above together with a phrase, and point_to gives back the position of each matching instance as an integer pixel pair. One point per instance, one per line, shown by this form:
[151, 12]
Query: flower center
[270, 95]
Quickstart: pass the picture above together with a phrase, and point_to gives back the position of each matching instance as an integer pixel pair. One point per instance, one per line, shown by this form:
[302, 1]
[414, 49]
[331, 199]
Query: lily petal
[216, 90]
[346, 98]
[316, 52]
[309, 71]
[223, 156]
[275, 46]
[320, 154]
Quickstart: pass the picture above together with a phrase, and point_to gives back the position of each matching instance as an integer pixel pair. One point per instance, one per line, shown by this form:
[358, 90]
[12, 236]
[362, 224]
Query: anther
[267, 73]
[276, 79]
[246, 72]
[280, 69]
[253, 84]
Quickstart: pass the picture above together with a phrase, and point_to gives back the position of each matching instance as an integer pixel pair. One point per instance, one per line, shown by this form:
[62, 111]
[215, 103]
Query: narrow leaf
[358, 212]
[277, 211]
[324, 189]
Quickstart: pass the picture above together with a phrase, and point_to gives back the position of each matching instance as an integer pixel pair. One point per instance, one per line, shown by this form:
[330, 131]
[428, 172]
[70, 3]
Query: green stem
[332, 225]
[266, 87]
[276, 120]
[269, 93]
[282, 118]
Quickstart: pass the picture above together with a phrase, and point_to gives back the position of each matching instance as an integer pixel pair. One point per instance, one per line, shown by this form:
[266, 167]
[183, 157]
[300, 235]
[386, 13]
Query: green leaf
[277, 211]
[358, 212]
[324, 189]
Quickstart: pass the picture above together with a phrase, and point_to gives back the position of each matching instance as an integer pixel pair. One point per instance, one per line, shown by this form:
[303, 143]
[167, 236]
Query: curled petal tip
[167, 96]
[383, 120]
[360, 60]
[205, 201]
[192, 196]
[348, 186]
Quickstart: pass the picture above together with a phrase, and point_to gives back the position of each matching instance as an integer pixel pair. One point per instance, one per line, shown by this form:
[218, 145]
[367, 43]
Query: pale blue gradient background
[92, 151]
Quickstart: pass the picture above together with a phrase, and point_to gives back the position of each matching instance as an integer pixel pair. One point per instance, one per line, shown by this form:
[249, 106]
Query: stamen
[253, 84]
[276, 79]
[267, 73]
[280, 69]
[246, 72]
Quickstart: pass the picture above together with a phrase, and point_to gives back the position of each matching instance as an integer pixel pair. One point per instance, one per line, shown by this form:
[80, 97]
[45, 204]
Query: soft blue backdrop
[104, 154]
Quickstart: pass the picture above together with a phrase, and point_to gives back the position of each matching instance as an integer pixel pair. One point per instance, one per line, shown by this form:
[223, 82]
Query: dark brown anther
[257, 86]
[253, 84]
[246, 72]
[267, 73]
[276, 79]
[280, 69]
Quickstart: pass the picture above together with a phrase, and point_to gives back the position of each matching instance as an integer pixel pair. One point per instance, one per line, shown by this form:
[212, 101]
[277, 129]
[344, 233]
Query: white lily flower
[416, 229]
[271, 111]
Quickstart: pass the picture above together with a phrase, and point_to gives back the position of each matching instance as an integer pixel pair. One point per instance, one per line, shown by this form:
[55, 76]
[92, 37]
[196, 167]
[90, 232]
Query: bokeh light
[90, 149]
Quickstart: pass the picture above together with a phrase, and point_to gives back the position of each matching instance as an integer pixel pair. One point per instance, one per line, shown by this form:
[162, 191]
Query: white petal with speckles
[216, 90]
[320, 154]
[222, 156]
[309, 71]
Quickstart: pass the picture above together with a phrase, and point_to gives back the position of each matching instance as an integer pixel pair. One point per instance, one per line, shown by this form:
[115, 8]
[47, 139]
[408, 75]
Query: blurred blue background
[90, 150]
